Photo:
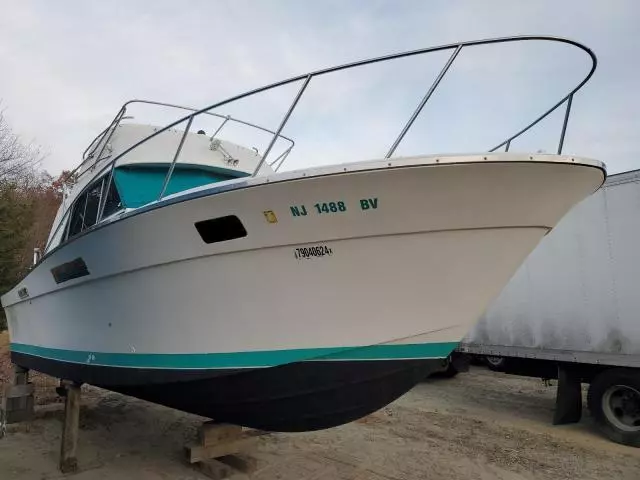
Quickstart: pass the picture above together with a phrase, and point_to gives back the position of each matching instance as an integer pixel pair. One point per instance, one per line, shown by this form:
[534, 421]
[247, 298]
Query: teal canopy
[139, 185]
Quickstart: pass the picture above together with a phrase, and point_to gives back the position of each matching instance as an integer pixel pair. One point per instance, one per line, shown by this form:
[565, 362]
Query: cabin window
[77, 216]
[86, 206]
[113, 203]
[85, 209]
[92, 204]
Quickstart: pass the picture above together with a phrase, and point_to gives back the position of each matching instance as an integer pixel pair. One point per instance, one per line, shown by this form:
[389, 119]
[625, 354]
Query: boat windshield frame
[100, 143]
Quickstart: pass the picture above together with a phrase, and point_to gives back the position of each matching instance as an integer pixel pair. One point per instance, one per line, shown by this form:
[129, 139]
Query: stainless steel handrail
[283, 123]
[226, 118]
[175, 158]
[95, 141]
[88, 152]
[424, 101]
[306, 78]
[564, 123]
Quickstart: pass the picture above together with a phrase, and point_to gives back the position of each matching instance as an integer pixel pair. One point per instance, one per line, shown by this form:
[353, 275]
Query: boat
[191, 271]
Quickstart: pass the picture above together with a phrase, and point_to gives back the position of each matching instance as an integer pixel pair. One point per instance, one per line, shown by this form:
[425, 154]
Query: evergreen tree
[16, 214]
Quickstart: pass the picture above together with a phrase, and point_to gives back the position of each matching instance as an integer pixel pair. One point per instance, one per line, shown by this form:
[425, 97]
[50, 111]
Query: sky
[66, 67]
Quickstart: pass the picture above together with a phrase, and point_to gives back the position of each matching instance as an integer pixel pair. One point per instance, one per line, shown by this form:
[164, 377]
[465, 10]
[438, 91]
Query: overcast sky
[67, 66]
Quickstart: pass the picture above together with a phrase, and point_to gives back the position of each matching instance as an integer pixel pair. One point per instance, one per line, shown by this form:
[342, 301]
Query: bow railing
[101, 141]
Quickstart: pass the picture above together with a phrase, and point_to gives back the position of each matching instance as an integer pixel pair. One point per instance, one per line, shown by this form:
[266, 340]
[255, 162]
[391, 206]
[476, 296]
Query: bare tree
[17, 159]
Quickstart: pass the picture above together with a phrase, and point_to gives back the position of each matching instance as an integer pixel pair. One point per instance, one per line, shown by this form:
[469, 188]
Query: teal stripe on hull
[254, 359]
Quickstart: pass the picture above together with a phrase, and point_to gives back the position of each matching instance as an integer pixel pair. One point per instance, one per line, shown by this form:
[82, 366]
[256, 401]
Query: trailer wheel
[614, 402]
[494, 363]
[447, 369]
[450, 372]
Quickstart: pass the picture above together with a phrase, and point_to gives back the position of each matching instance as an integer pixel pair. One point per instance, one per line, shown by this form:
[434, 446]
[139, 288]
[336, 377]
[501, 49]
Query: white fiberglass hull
[400, 257]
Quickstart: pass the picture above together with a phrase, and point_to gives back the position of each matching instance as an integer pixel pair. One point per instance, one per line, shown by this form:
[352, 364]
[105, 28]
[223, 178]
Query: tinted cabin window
[112, 203]
[92, 205]
[85, 209]
[77, 216]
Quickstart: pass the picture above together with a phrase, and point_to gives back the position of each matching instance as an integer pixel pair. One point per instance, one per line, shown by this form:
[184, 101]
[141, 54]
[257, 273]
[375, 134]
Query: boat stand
[218, 450]
[17, 399]
[70, 426]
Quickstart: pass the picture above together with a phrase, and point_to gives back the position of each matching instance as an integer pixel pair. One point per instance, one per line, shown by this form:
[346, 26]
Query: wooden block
[243, 463]
[18, 409]
[198, 453]
[214, 469]
[15, 391]
[211, 433]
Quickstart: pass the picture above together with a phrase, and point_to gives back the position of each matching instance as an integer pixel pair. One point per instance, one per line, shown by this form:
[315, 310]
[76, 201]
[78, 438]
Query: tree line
[29, 200]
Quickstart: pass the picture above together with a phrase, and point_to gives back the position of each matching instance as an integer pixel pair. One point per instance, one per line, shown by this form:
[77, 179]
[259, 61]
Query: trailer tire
[447, 370]
[497, 364]
[614, 402]
[450, 372]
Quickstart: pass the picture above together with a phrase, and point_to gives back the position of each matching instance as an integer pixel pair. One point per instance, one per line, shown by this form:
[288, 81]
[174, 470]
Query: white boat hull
[404, 266]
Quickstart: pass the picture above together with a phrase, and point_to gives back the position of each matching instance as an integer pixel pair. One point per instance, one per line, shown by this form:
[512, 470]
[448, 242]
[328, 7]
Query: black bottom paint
[295, 397]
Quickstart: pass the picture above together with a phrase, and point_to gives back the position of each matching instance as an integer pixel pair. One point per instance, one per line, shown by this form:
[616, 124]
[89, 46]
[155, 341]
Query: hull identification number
[316, 251]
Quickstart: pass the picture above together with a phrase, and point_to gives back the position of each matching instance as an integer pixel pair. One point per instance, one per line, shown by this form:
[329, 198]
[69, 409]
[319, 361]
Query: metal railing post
[564, 124]
[228, 117]
[105, 190]
[424, 100]
[108, 134]
[167, 178]
[282, 157]
[97, 139]
[278, 158]
[282, 124]
[506, 148]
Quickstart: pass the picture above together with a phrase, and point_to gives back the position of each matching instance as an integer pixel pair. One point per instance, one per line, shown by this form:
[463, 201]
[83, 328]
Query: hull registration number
[316, 251]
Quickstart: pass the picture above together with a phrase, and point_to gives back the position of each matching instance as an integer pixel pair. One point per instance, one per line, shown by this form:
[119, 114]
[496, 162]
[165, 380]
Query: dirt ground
[479, 425]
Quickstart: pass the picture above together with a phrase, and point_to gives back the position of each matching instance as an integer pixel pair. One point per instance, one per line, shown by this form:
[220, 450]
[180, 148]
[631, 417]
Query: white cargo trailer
[572, 311]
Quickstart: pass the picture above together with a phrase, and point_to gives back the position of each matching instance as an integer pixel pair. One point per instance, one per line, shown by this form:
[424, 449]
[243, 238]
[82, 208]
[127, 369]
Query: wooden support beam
[70, 427]
[198, 453]
[211, 433]
[16, 391]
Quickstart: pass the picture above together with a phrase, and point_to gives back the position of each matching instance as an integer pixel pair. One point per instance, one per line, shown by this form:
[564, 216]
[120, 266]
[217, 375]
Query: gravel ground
[479, 425]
